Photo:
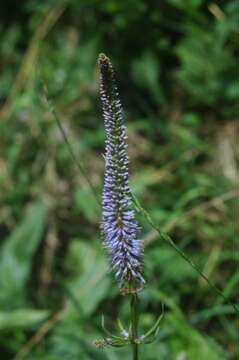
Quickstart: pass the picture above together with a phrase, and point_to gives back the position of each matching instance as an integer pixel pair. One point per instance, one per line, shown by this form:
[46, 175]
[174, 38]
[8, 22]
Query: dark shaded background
[177, 66]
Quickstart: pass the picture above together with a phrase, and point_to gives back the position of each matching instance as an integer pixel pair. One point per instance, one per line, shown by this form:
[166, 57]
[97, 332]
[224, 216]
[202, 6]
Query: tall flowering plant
[120, 229]
[119, 226]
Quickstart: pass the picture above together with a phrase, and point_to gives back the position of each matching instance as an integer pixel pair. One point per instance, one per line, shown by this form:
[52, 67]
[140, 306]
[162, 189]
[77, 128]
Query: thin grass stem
[70, 149]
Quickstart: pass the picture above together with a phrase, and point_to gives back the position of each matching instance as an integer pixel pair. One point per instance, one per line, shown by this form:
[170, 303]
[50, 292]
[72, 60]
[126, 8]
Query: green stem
[134, 326]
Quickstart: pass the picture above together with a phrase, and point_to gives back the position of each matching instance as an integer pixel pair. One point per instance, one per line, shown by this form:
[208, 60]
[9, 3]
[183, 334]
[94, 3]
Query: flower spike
[119, 228]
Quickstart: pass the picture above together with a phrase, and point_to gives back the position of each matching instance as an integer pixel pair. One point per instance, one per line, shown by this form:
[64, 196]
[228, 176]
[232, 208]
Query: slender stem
[134, 326]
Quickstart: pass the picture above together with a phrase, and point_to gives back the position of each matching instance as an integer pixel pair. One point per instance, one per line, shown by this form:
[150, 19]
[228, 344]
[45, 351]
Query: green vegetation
[177, 65]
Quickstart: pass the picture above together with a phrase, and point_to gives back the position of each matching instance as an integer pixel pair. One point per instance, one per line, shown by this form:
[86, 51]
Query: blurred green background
[177, 66]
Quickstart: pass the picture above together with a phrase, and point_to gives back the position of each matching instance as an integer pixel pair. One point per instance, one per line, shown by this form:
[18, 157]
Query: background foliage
[177, 65]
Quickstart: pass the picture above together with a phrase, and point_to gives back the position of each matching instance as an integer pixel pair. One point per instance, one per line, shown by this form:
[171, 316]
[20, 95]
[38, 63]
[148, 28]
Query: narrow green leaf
[22, 318]
[16, 256]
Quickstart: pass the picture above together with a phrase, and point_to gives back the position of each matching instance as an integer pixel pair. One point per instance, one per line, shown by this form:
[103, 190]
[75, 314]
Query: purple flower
[119, 227]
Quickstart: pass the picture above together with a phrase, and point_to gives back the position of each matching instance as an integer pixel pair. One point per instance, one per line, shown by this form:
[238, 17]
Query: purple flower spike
[120, 228]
